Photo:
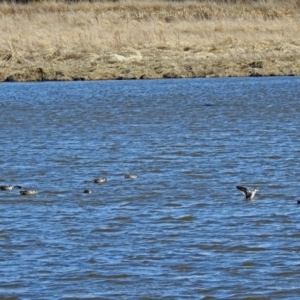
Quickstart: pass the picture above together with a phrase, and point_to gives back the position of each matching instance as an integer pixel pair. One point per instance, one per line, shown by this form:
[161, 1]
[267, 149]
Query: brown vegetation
[51, 40]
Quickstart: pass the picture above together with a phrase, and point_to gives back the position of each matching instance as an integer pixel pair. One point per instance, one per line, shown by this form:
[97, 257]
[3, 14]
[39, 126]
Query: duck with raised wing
[249, 194]
[28, 192]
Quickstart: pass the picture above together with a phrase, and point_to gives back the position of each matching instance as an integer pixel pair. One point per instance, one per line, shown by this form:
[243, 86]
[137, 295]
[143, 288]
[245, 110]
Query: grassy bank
[51, 40]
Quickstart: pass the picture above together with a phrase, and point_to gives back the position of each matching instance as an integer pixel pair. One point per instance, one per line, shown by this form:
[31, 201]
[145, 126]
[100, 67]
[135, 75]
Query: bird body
[100, 180]
[132, 176]
[9, 187]
[28, 192]
[6, 187]
[249, 194]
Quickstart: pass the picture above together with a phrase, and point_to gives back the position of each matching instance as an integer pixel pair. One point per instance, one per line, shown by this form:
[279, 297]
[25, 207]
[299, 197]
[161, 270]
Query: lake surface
[181, 230]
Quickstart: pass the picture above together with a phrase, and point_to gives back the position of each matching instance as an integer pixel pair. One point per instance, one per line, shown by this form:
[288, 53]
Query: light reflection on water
[181, 229]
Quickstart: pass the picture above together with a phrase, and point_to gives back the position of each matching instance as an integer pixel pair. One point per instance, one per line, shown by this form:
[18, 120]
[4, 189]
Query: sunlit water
[181, 230]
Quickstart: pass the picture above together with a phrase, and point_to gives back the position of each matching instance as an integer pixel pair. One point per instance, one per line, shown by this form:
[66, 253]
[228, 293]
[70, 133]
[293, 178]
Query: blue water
[181, 230]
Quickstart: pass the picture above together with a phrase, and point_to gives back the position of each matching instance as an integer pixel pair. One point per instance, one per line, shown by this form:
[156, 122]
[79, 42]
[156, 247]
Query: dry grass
[148, 39]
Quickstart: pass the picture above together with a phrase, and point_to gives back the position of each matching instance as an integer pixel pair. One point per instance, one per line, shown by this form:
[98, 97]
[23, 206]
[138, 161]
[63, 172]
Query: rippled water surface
[181, 230]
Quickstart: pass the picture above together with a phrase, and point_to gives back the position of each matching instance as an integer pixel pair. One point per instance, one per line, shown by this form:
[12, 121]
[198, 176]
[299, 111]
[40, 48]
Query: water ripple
[181, 230]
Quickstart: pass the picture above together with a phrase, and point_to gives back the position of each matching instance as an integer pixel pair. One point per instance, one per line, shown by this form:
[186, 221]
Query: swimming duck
[87, 191]
[28, 192]
[249, 194]
[9, 187]
[100, 180]
[132, 176]
[6, 187]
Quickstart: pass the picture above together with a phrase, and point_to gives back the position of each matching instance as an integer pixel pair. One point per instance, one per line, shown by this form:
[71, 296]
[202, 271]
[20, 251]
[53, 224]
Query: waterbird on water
[100, 180]
[87, 191]
[28, 192]
[132, 176]
[9, 187]
[249, 194]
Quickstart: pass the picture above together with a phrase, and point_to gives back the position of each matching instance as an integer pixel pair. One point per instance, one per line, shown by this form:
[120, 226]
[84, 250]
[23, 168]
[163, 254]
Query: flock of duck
[34, 192]
[249, 194]
[22, 192]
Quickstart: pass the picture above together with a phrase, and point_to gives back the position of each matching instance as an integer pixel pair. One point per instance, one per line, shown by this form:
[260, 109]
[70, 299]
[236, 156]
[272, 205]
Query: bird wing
[243, 190]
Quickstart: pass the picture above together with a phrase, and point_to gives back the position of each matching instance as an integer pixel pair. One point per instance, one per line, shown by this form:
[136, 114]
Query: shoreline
[55, 41]
[176, 65]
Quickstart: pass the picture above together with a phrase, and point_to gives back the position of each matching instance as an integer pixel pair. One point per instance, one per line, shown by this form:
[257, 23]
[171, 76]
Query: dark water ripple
[180, 230]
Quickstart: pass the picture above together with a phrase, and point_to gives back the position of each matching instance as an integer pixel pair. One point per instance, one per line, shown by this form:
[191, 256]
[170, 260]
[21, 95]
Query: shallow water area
[181, 229]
